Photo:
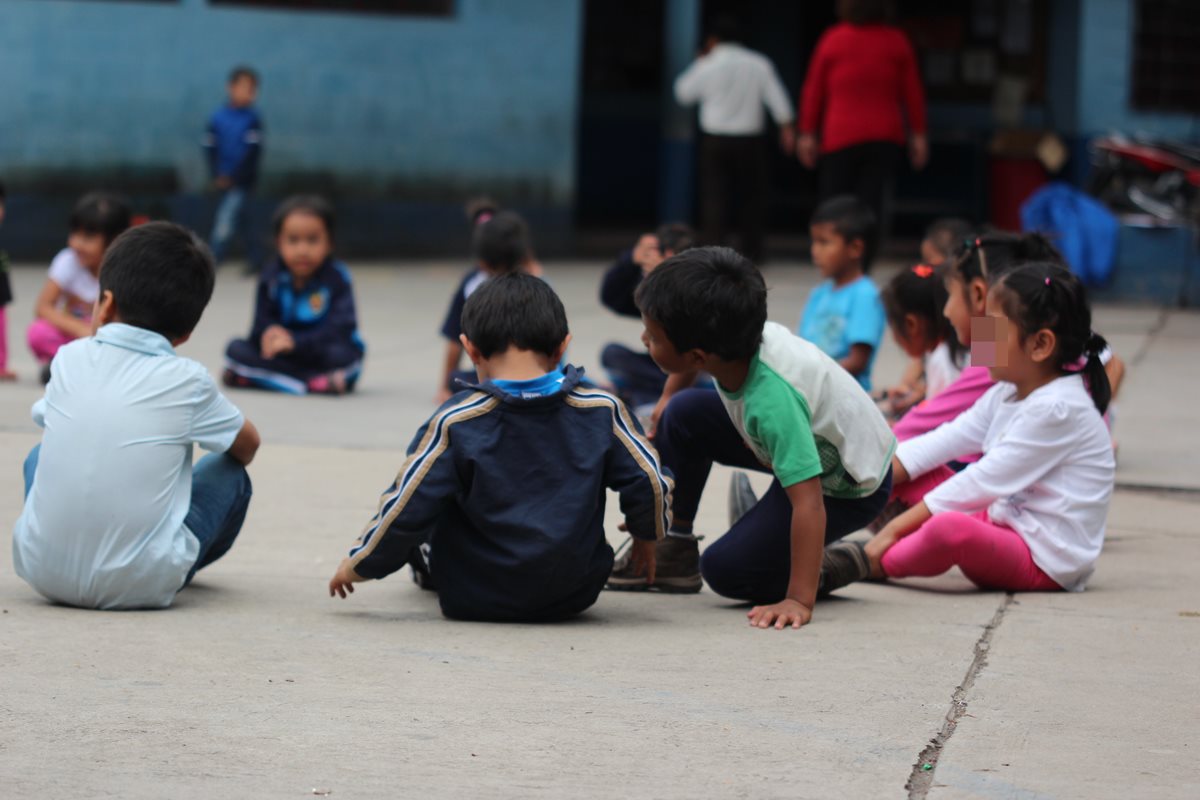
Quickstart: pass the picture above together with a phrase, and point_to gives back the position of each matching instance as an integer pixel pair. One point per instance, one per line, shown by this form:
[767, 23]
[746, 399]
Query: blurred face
[996, 344]
[89, 249]
[669, 359]
[243, 92]
[833, 256]
[964, 301]
[303, 244]
[912, 336]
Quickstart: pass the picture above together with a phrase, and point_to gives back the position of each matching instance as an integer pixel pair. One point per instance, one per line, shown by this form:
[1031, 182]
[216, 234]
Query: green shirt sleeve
[778, 419]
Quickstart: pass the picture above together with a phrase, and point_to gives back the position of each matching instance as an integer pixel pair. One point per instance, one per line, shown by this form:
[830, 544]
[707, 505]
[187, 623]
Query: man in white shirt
[732, 84]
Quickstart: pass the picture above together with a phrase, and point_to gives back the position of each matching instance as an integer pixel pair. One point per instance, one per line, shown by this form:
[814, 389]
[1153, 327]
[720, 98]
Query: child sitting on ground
[781, 406]
[115, 516]
[305, 332]
[914, 301]
[637, 378]
[844, 317]
[63, 311]
[1030, 514]
[501, 245]
[943, 238]
[500, 506]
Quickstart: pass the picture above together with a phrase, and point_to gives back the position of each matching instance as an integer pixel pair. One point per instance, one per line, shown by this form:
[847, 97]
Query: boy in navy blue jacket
[305, 332]
[500, 505]
[233, 144]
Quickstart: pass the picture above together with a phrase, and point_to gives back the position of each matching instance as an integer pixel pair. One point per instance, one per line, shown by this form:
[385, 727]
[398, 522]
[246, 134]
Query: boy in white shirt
[115, 516]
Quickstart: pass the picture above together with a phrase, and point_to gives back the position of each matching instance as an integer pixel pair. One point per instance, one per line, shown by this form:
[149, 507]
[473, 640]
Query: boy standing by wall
[233, 143]
[115, 516]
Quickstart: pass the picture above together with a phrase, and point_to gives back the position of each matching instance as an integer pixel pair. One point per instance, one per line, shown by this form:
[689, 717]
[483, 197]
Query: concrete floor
[256, 684]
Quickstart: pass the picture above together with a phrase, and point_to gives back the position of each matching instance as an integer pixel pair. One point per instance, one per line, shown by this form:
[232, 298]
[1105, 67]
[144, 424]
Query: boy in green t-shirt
[781, 406]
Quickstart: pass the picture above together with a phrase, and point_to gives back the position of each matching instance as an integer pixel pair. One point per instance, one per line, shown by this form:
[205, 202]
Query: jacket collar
[129, 337]
[572, 377]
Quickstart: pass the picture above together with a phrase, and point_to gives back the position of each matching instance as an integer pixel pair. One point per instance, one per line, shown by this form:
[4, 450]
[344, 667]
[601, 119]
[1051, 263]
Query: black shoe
[842, 564]
[677, 570]
[45, 374]
[741, 497]
[419, 561]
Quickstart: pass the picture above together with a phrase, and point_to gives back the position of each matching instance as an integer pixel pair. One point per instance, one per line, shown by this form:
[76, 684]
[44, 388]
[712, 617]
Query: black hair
[1047, 295]
[311, 204]
[852, 219]
[707, 298]
[920, 291]
[725, 28]
[243, 71]
[515, 310]
[161, 277]
[947, 235]
[102, 213]
[675, 236]
[991, 255]
[502, 242]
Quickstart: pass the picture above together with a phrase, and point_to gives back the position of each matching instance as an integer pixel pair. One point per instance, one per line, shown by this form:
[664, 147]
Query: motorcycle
[1147, 176]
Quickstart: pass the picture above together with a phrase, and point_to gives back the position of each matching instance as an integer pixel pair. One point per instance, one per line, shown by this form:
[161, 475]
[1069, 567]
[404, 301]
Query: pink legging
[990, 555]
[45, 339]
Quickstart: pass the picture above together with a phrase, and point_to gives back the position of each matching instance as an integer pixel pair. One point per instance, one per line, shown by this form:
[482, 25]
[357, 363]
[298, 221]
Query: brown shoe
[677, 570]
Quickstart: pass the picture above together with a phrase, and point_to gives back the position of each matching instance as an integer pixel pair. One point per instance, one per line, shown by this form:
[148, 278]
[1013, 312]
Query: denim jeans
[233, 218]
[220, 496]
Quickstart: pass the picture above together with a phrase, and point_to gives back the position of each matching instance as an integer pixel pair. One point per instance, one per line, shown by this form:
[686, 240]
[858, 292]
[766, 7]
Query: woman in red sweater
[862, 102]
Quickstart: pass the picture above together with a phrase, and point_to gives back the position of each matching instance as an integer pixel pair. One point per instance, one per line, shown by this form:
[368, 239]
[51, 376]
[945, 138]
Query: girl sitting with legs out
[1030, 514]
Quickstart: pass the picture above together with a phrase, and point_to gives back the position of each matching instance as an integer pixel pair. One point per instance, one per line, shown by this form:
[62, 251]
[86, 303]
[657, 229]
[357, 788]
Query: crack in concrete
[920, 780]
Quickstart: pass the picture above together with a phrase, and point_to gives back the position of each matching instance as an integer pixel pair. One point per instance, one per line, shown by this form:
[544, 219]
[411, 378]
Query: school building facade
[402, 109]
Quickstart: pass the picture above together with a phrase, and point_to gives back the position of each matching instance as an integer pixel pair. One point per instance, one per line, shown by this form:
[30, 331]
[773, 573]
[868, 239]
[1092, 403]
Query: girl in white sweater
[1030, 514]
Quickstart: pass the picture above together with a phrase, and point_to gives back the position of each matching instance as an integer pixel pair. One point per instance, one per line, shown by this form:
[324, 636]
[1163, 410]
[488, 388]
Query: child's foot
[329, 383]
[842, 564]
[677, 570]
[741, 497]
[7, 376]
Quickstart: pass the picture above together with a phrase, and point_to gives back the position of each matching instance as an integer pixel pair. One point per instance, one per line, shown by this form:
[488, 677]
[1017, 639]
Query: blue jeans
[233, 218]
[752, 561]
[220, 496]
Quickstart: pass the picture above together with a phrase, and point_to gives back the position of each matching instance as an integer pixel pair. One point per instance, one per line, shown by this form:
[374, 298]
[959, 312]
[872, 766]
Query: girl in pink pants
[1030, 514]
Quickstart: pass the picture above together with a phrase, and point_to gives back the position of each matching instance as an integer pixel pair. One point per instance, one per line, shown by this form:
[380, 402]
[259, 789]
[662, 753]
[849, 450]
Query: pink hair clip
[1047, 280]
[923, 270]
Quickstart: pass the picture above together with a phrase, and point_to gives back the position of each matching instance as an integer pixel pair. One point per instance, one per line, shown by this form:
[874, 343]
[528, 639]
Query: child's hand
[644, 559]
[343, 580]
[277, 340]
[785, 612]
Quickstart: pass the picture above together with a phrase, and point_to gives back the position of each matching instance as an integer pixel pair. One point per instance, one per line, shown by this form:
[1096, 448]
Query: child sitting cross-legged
[781, 406]
[1030, 514]
[305, 332]
[115, 515]
[500, 505]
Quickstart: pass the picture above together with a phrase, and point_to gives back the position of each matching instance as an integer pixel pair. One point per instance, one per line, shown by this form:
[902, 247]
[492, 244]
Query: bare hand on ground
[782, 614]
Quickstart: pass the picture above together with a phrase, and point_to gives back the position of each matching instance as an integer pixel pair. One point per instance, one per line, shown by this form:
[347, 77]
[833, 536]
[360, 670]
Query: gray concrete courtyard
[257, 685]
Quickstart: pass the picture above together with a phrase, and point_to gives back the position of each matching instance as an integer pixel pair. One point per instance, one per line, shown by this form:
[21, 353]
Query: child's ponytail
[1094, 373]
[1046, 295]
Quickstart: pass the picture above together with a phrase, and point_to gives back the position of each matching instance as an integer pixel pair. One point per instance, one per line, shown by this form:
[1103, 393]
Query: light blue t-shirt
[103, 522]
[836, 318]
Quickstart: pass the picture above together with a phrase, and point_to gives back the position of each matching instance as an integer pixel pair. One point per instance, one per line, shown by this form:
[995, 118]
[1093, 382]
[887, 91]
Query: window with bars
[1166, 56]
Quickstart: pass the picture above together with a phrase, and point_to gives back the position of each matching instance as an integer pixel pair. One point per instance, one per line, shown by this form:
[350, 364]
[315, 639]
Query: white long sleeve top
[1047, 471]
[733, 84]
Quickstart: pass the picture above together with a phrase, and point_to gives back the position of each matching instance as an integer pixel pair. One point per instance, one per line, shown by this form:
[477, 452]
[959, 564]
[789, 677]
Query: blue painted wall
[411, 111]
